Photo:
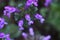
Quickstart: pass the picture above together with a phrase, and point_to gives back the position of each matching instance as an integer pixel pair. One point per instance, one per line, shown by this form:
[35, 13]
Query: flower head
[31, 32]
[47, 2]
[30, 22]
[24, 35]
[2, 35]
[27, 17]
[39, 17]
[6, 36]
[2, 22]
[20, 24]
[47, 37]
[8, 10]
[30, 2]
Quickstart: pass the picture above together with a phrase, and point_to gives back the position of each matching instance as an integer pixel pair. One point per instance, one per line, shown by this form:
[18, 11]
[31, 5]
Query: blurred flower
[42, 20]
[30, 2]
[39, 17]
[27, 17]
[2, 35]
[20, 24]
[47, 2]
[2, 22]
[47, 37]
[7, 36]
[30, 22]
[24, 35]
[8, 10]
[31, 32]
[7, 13]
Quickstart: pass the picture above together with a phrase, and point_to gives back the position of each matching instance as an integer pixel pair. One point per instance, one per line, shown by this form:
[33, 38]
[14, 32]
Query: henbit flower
[39, 17]
[27, 17]
[47, 37]
[8, 10]
[30, 22]
[6, 36]
[24, 35]
[47, 2]
[31, 32]
[42, 20]
[30, 2]
[2, 35]
[21, 28]
[7, 13]
[20, 24]
[2, 23]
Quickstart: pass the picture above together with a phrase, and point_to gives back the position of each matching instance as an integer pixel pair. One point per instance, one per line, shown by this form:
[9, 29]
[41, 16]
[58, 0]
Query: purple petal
[24, 35]
[31, 32]
[7, 13]
[30, 22]
[20, 23]
[2, 35]
[7, 37]
[21, 28]
[42, 20]
[2, 22]
[47, 2]
[38, 16]
[47, 37]
[11, 9]
[27, 17]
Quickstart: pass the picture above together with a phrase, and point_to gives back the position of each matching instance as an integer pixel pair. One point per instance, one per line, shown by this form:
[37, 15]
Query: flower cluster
[6, 36]
[2, 23]
[9, 10]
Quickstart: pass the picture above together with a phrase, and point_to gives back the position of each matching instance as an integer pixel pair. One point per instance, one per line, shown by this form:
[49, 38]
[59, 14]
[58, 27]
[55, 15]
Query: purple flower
[20, 24]
[6, 36]
[47, 2]
[30, 2]
[24, 35]
[2, 35]
[47, 37]
[39, 17]
[27, 17]
[2, 23]
[42, 20]
[30, 22]
[7, 13]
[8, 10]
[31, 32]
